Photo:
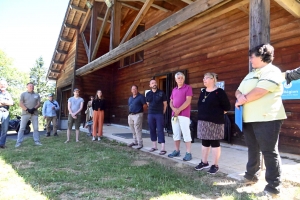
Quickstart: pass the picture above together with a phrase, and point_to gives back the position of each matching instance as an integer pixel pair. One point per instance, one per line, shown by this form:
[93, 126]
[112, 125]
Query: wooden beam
[93, 29]
[86, 47]
[259, 23]
[187, 1]
[130, 6]
[102, 19]
[71, 26]
[156, 6]
[52, 79]
[86, 19]
[58, 62]
[61, 52]
[82, 10]
[63, 39]
[55, 71]
[102, 29]
[115, 26]
[292, 6]
[192, 15]
[137, 20]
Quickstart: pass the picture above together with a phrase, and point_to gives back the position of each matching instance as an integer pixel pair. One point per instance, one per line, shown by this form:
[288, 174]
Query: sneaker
[202, 166]
[99, 138]
[17, 145]
[187, 157]
[48, 134]
[139, 147]
[38, 144]
[132, 144]
[55, 134]
[247, 181]
[94, 139]
[271, 194]
[174, 154]
[213, 169]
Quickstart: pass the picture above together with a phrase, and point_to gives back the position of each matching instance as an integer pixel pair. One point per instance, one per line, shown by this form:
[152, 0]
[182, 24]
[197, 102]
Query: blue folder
[239, 117]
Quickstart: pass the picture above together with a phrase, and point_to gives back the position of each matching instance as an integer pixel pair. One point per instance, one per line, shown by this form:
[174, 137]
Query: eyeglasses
[205, 78]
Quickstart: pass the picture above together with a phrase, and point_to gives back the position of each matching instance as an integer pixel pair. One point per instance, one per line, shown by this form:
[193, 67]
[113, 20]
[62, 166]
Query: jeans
[156, 126]
[263, 137]
[35, 124]
[4, 117]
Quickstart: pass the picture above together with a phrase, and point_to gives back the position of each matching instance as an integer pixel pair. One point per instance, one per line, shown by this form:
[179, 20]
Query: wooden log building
[113, 44]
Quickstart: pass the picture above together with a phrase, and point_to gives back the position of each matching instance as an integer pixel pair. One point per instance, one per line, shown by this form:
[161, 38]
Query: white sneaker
[99, 138]
[93, 138]
[17, 145]
[38, 144]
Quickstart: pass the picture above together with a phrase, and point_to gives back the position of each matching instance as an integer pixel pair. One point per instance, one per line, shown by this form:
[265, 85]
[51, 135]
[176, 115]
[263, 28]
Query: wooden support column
[137, 20]
[102, 29]
[115, 25]
[259, 23]
[93, 29]
[86, 19]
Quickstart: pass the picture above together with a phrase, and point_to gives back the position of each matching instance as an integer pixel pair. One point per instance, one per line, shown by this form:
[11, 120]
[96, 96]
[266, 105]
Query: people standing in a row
[75, 105]
[137, 104]
[29, 102]
[89, 116]
[50, 107]
[263, 114]
[5, 102]
[212, 103]
[180, 103]
[157, 105]
[98, 106]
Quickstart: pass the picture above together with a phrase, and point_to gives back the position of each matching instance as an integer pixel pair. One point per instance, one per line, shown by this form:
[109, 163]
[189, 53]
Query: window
[65, 95]
[137, 57]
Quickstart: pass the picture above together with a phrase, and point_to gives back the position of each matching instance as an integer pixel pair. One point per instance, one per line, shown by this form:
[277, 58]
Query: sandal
[152, 149]
[162, 152]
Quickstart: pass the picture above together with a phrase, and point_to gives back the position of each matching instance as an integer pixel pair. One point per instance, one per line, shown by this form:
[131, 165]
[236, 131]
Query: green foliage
[38, 77]
[16, 80]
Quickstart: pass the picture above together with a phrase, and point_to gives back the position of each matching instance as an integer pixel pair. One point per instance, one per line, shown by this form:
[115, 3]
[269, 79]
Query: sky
[29, 29]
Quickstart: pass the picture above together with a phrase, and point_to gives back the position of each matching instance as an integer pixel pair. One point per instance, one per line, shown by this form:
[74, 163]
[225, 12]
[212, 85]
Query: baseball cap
[76, 89]
[50, 95]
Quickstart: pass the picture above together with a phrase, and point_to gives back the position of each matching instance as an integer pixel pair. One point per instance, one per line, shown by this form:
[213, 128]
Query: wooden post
[259, 23]
[93, 29]
[115, 25]
[259, 27]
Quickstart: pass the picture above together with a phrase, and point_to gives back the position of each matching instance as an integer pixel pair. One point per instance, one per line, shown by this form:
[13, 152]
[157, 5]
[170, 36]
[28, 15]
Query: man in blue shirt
[136, 103]
[50, 108]
[157, 105]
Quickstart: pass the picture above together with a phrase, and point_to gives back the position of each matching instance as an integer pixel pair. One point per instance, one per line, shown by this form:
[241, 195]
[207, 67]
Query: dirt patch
[140, 163]
[23, 165]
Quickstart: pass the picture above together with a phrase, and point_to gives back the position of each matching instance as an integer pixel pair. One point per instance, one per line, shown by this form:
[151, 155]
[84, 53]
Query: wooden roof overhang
[164, 29]
[78, 15]
[78, 18]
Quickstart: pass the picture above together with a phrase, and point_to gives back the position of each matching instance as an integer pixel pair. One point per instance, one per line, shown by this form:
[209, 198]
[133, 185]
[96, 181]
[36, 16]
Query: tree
[38, 77]
[16, 80]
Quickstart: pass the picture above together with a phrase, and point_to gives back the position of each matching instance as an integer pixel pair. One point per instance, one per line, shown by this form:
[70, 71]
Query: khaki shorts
[71, 120]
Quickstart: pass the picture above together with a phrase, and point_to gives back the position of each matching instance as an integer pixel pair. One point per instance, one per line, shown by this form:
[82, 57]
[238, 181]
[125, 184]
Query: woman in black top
[212, 104]
[98, 106]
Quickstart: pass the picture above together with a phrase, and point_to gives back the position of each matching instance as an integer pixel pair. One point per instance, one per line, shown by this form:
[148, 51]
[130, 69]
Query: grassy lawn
[103, 170]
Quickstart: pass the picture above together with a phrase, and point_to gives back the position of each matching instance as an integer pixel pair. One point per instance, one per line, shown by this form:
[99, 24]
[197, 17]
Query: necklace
[205, 96]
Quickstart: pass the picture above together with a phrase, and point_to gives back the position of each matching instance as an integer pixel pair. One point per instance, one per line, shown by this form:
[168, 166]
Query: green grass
[102, 170]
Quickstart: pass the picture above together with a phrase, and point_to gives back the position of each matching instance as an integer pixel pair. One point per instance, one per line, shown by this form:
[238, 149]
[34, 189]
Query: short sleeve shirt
[5, 97]
[30, 100]
[136, 104]
[155, 100]
[178, 97]
[270, 106]
[75, 104]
